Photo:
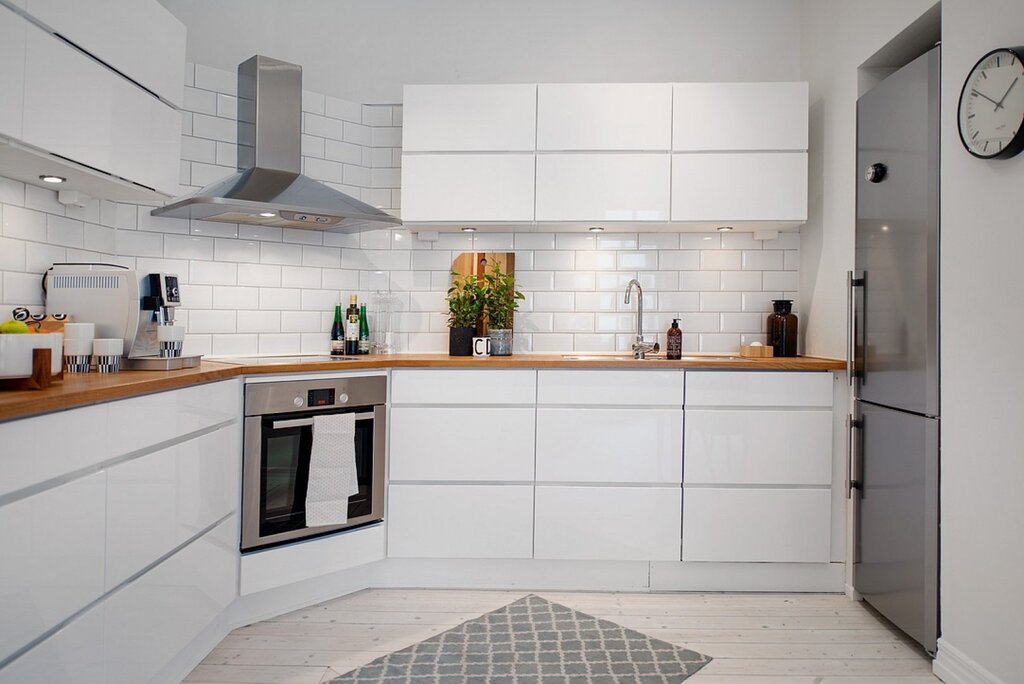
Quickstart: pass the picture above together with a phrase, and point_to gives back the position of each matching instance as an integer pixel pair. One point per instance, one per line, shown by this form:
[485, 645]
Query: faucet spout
[640, 348]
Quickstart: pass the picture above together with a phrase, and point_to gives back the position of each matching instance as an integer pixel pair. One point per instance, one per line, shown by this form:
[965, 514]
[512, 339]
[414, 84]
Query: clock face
[991, 113]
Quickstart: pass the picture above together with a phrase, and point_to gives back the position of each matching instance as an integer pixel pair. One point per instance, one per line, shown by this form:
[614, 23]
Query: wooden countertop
[94, 388]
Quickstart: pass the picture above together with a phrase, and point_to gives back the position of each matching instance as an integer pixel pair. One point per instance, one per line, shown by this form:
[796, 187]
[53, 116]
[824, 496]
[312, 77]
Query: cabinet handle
[853, 455]
[298, 422]
[852, 282]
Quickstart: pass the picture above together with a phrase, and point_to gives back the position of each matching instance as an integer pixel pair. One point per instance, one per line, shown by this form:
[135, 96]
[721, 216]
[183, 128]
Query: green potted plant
[501, 299]
[465, 306]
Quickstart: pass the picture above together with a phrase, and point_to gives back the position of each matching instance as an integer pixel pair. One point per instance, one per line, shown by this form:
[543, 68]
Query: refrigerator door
[896, 552]
[896, 329]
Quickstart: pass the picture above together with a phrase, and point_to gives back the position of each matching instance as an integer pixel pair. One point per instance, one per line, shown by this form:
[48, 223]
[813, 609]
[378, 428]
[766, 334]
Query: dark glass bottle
[364, 331]
[352, 327]
[337, 333]
[674, 342]
[782, 327]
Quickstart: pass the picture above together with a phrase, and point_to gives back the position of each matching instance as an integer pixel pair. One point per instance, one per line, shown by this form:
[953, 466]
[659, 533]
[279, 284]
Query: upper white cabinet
[139, 38]
[12, 71]
[469, 118]
[740, 186]
[464, 187]
[712, 117]
[604, 116]
[602, 187]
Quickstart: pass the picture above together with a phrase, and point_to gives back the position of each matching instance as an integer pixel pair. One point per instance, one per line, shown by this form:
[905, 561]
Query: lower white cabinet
[755, 186]
[609, 445]
[460, 521]
[461, 443]
[756, 525]
[607, 523]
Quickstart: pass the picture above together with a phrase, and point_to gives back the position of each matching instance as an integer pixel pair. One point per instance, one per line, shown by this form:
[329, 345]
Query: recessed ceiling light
[707, 237]
[469, 229]
[267, 214]
[724, 229]
[595, 229]
[47, 178]
[885, 229]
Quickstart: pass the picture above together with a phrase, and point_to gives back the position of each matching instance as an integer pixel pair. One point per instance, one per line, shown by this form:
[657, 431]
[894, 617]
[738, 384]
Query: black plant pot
[460, 341]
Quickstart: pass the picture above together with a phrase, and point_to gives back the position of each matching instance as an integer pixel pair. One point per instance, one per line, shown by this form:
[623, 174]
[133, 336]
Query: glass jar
[782, 328]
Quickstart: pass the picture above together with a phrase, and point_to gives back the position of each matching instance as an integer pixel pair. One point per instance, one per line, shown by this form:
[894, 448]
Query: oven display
[321, 397]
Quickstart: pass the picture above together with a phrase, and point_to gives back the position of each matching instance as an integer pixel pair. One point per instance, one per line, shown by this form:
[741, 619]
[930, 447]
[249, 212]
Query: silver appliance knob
[342, 398]
[298, 401]
[876, 173]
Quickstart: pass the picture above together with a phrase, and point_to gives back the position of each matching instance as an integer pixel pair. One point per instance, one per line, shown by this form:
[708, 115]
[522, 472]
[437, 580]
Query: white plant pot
[16, 353]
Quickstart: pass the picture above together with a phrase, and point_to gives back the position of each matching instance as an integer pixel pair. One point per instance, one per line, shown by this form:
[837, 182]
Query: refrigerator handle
[853, 455]
[852, 282]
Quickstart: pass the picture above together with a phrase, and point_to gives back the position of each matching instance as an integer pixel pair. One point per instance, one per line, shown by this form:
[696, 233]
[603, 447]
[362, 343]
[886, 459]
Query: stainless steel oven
[278, 440]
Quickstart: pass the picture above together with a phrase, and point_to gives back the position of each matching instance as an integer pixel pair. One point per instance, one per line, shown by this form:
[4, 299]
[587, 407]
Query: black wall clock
[991, 112]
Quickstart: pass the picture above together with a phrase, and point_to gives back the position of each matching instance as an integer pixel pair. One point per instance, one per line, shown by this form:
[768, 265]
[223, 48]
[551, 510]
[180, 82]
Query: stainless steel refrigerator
[894, 350]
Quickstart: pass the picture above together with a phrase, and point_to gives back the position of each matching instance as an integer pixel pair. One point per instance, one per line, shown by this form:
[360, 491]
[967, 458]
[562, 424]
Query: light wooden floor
[753, 638]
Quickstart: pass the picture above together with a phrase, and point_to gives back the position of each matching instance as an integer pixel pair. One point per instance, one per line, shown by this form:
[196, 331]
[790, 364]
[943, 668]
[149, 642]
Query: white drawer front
[758, 388]
[467, 187]
[460, 521]
[489, 118]
[72, 654]
[758, 447]
[604, 116]
[756, 525]
[735, 186]
[463, 387]
[52, 560]
[609, 445]
[603, 187]
[610, 387]
[740, 116]
[172, 494]
[457, 443]
[607, 523]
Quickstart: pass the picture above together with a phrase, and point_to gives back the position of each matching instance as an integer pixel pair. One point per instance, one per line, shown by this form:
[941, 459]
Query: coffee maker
[121, 305]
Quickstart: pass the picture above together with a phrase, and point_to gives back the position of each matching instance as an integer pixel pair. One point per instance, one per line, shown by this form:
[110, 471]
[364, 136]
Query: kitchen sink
[708, 358]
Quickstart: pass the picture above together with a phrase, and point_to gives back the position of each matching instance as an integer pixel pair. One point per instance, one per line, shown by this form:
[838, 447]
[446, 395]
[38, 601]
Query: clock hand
[999, 104]
[975, 91]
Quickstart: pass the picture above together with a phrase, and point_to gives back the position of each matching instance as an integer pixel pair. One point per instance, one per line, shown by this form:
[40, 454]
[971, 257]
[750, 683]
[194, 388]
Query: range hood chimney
[269, 188]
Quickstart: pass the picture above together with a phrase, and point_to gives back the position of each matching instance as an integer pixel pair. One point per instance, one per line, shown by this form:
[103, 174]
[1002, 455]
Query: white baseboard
[853, 593]
[190, 656]
[953, 666]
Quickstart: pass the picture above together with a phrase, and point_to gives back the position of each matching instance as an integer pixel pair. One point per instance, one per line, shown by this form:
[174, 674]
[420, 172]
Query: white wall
[982, 432]
[837, 37]
[366, 50]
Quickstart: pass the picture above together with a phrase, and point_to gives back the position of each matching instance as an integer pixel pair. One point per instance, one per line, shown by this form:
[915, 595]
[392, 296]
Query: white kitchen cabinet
[758, 388]
[609, 445]
[460, 521]
[758, 447]
[716, 117]
[462, 444]
[52, 562]
[72, 654]
[467, 187]
[603, 187]
[756, 525]
[13, 32]
[139, 38]
[469, 118]
[465, 387]
[607, 523]
[604, 116]
[76, 108]
[741, 186]
[610, 387]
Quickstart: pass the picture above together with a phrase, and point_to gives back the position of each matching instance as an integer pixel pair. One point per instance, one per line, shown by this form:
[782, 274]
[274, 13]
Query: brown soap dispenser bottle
[674, 344]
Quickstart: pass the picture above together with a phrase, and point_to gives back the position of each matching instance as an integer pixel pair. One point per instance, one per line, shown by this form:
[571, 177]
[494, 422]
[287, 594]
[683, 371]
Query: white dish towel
[332, 470]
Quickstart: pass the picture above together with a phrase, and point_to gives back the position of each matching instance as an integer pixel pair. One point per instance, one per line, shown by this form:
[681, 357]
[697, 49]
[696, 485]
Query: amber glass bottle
[781, 328]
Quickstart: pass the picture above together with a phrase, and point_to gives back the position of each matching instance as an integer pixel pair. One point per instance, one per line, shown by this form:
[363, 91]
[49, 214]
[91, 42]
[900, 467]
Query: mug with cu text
[482, 346]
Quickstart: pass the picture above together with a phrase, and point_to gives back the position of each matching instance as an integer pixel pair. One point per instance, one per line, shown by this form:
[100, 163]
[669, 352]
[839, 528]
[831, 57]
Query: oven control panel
[321, 397]
[266, 398]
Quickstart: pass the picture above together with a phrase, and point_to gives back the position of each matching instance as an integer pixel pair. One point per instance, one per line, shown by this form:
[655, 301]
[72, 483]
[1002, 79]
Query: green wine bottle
[364, 331]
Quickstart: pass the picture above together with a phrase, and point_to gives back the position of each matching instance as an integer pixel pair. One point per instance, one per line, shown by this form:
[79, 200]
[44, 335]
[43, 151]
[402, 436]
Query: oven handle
[298, 422]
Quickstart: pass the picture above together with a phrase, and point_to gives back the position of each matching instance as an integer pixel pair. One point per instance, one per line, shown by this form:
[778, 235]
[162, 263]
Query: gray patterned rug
[533, 641]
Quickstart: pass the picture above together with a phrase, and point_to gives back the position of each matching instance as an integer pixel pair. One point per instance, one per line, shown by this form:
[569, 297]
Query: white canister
[107, 354]
[171, 339]
[80, 331]
[481, 347]
[77, 355]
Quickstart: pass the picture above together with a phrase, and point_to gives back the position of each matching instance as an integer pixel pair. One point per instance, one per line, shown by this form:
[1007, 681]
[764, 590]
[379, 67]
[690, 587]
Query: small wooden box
[761, 352]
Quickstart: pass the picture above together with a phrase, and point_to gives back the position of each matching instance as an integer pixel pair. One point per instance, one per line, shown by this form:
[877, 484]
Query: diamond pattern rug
[533, 641]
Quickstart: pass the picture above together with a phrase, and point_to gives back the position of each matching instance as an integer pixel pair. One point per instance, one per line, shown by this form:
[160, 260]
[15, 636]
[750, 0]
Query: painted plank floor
[754, 638]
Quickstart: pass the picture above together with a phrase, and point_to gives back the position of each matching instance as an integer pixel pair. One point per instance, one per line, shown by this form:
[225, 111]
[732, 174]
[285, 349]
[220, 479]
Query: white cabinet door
[756, 525]
[609, 445]
[467, 187]
[607, 523]
[468, 118]
[604, 116]
[603, 187]
[758, 447]
[755, 186]
[139, 38]
[463, 386]
[52, 560]
[462, 444]
[73, 653]
[610, 387]
[758, 388]
[78, 109]
[12, 72]
[460, 521]
[739, 116]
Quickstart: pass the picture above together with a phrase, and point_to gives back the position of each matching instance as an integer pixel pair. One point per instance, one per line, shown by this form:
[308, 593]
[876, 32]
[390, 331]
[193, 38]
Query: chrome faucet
[640, 348]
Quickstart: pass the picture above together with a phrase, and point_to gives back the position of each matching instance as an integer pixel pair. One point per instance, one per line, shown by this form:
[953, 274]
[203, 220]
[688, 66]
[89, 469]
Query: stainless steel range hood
[269, 188]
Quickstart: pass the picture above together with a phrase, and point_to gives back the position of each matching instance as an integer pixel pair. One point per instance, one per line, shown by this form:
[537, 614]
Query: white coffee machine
[122, 306]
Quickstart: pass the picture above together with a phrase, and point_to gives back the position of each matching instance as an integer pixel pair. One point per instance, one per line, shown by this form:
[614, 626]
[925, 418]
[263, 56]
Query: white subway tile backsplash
[259, 322]
[226, 249]
[259, 275]
[700, 241]
[230, 297]
[604, 342]
[197, 296]
[322, 126]
[210, 321]
[212, 273]
[551, 260]
[659, 280]
[678, 302]
[65, 231]
[720, 301]
[720, 260]
[313, 102]
[613, 280]
[534, 240]
[138, 243]
[738, 281]
[300, 276]
[763, 260]
[12, 254]
[791, 260]
[586, 301]
[280, 343]
[325, 257]
[262, 233]
[552, 342]
[157, 224]
[759, 301]
[343, 109]
[574, 280]
[12, 192]
[781, 280]
[594, 260]
[719, 343]
[658, 241]
[784, 241]
[42, 199]
[188, 247]
[280, 298]
[280, 253]
[556, 301]
[217, 80]
[734, 240]
[576, 241]
[234, 345]
[700, 322]
[39, 257]
[99, 238]
[339, 279]
[214, 128]
[25, 224]
[679, 260]
[743, 323]
[213, 229]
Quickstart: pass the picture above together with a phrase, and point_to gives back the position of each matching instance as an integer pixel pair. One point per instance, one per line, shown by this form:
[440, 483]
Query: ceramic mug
[482, 347]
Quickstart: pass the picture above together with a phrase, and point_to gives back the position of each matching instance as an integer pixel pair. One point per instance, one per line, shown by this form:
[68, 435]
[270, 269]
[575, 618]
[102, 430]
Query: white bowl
[16, 353]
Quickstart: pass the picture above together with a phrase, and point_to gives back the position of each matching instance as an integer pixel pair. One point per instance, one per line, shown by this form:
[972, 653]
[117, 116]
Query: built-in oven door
[276, 474]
